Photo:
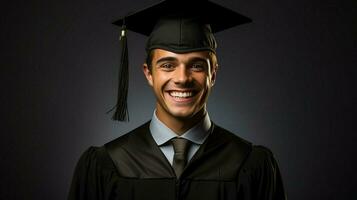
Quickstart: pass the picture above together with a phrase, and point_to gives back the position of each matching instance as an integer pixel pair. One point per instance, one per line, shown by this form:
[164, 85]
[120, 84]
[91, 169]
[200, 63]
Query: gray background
[287, 81]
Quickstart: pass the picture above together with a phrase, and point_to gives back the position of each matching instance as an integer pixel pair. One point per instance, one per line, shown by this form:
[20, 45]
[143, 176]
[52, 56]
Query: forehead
[161, 53]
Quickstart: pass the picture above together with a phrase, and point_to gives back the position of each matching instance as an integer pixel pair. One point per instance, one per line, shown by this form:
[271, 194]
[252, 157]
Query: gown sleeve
[261, 175]
[93, 178]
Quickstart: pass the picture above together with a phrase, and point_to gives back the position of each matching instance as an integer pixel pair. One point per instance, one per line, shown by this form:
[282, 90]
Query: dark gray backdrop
[287, 81]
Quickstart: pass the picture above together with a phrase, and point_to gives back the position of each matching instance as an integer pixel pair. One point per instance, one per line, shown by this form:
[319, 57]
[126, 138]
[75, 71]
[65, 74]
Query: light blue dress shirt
[162, 135]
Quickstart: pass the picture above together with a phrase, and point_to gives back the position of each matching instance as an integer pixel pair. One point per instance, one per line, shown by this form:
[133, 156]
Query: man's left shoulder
[256, 153]
[230, 137]
[262, 156]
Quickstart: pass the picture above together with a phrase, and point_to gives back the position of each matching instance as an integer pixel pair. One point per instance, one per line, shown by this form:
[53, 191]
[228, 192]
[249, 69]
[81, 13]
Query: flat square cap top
[217, 16]
[182, 26]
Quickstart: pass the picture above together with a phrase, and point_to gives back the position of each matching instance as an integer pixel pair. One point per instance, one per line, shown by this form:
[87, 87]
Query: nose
[182, 75]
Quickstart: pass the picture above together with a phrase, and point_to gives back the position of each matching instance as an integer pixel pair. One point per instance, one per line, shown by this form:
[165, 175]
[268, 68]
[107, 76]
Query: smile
[178, 94]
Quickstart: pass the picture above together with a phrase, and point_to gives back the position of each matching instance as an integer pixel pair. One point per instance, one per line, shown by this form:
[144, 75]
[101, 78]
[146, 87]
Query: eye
[167, 66]
[197, 66]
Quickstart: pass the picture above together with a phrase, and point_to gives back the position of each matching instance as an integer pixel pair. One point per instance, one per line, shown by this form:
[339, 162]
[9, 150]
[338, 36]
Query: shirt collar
[162, 134]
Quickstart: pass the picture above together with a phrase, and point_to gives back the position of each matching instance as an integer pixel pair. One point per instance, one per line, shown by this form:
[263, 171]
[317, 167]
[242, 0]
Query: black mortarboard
[173, 25]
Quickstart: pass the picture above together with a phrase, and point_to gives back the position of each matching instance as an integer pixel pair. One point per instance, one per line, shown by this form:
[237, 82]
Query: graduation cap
[177, 26]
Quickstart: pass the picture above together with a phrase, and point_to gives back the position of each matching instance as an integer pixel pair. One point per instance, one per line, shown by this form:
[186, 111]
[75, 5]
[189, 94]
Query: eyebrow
[166, 59]
[169, 58]
[196, 59]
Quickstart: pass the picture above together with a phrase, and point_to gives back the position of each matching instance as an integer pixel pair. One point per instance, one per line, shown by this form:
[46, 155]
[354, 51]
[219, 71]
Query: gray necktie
[181, 147]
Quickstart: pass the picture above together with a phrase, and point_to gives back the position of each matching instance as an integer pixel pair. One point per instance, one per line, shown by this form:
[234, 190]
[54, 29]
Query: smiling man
[181, 83]
[180, 153]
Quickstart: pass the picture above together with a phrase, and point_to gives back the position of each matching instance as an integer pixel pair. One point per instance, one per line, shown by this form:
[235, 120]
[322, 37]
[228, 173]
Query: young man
[180, 153]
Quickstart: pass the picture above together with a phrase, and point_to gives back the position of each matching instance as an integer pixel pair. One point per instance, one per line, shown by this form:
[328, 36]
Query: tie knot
[180, 145]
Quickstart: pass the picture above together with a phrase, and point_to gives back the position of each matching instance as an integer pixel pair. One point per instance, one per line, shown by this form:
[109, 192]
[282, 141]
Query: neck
[180, 125]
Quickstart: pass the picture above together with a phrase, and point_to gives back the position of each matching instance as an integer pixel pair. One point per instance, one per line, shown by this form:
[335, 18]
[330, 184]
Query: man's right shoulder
[125, 138]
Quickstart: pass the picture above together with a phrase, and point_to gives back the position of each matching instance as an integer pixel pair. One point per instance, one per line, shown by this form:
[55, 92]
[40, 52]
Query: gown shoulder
[93, 176]
[261, 175]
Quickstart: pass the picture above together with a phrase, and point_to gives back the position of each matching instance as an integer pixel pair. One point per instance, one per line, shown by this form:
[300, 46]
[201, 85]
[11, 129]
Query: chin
[181, 113]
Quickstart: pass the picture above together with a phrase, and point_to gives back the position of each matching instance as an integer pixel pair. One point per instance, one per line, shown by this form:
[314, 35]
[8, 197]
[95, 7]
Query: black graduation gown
[133, 167]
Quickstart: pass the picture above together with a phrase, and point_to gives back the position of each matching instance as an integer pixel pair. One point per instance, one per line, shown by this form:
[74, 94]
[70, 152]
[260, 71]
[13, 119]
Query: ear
[214, 75]
[147, 73]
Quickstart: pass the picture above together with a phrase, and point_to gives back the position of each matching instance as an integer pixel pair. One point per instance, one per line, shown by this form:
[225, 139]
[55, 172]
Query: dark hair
[148, 59]
[150, 55]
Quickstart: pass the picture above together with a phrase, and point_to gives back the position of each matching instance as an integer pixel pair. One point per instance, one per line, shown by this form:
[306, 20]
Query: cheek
[206, 81]
[158, 81]
[207, 85]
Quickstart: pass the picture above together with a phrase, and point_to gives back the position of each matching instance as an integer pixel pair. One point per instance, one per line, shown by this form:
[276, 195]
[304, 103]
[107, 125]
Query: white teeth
[181, 94]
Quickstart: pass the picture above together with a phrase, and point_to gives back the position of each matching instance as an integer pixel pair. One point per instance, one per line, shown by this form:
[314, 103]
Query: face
[181, 82]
